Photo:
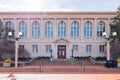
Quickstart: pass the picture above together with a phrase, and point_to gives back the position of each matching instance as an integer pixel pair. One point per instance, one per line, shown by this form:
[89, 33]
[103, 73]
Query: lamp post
[51, 53]
[16, 46]
[108, 38]
[72, 53]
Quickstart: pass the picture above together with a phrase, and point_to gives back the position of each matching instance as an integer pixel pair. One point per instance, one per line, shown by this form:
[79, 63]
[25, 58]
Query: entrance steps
[61, 62]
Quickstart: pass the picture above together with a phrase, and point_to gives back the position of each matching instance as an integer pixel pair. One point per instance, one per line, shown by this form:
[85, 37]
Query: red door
[61, 51]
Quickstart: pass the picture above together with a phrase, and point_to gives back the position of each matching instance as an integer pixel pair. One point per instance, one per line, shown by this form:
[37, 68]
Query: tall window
[75, 29]
[88, 48]
[23, 28]
[48, 48]
[75, 47]
[49, 29]
[62, 29]
[34, 48]
[112, 27]
[21, 47]
[10, 25]
[100, 28]
[88, 29]
[102, 48]
[35, 29]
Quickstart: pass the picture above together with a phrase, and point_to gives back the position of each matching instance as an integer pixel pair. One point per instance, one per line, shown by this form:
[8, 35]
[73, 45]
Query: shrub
[100, 58]
[118, 60]
[8, 60]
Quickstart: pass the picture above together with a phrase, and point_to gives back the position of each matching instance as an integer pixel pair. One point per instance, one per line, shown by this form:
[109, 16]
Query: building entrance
[61, 51]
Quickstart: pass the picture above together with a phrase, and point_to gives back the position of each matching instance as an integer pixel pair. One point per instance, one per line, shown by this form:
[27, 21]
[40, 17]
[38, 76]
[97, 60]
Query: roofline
[59, 13]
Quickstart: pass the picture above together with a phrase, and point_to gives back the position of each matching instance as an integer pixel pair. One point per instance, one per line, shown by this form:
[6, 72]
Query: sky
[58, 5]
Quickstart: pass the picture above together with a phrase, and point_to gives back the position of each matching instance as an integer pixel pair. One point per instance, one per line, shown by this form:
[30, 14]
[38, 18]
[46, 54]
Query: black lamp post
[72, 53]
[51, 53]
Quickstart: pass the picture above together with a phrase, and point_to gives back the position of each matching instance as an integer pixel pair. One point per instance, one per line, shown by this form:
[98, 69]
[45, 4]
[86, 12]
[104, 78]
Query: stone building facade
[60, 34]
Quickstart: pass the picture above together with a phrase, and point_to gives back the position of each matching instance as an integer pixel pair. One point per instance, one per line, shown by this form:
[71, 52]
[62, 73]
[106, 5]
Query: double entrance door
[61, 51]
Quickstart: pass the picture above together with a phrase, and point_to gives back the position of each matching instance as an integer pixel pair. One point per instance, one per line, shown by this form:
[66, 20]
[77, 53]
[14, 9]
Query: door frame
[62, 50]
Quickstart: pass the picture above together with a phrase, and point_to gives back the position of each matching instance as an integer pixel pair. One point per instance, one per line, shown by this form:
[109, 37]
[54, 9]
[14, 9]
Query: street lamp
[16, 46]
[108, 38]
[72, 53]
[51, 53]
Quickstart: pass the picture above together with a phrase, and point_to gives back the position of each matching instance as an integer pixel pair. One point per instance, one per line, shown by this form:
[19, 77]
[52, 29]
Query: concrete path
[22, 76]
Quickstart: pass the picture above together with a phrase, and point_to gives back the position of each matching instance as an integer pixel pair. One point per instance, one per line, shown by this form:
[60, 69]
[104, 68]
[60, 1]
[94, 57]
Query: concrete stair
[61, 62]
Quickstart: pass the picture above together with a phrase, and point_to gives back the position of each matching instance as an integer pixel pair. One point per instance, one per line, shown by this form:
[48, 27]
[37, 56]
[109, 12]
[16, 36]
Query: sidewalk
[60, 69]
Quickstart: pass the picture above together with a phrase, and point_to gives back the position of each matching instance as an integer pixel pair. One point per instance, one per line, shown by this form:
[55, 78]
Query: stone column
[94, 32]
[42, 29]
[82, 29]
[29, 29]
[108, 26]
[55, 29]
[68, 29]
[16, 25]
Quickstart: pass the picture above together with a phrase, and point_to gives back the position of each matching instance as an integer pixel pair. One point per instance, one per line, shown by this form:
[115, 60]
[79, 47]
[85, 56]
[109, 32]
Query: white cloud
[59, 5]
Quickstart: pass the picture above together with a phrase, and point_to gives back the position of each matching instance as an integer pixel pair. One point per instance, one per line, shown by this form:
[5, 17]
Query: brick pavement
[61, 69]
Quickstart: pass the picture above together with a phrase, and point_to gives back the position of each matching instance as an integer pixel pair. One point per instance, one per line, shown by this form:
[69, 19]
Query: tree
[7, 47]
[1, 29]
[115, 43]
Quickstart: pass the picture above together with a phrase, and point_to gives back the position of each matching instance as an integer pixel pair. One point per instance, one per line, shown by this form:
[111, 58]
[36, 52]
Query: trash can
[111, 64]
[108, 64]
[114, 63]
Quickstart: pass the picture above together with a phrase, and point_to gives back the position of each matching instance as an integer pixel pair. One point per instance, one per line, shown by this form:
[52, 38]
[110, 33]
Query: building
[60, 34]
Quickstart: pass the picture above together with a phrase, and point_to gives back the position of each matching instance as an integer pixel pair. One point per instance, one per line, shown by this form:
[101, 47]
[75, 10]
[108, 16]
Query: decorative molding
[22, 19]
[35, 19]
[61, 40]
[8, 18]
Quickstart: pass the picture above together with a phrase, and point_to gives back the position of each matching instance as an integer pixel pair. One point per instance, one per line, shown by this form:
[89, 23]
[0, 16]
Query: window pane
[75, 29]
[49, 29]
[88, 29]
[23, 28]
[10, 25]
[62, 29]
[34, 48]
[100, 28]
[75, 47]
[35, 29]
[101, 48]
[88, 48]
[48, 48]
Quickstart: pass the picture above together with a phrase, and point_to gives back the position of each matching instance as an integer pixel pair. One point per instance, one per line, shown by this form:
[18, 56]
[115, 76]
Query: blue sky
[58, 5]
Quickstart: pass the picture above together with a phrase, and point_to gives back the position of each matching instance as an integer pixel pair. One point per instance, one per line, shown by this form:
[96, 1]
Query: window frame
[62, 29]
[88, 29]
[35, 29]
[48, 29]
[75, 29]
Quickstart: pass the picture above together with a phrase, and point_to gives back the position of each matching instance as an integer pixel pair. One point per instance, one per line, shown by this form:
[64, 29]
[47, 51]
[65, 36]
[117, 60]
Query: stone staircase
[58, 62]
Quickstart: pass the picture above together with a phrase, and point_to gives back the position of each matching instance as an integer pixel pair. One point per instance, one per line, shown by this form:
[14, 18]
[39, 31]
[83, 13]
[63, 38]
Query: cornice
[58, 13]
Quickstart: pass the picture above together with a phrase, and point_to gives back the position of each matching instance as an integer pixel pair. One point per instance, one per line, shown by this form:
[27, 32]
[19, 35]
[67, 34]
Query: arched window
[49, 29]
[112, 27]
[23, 28]
[35, 29]
[10, 25]
[100, 28]
[61, 29]
[88, 29]
[75, 29]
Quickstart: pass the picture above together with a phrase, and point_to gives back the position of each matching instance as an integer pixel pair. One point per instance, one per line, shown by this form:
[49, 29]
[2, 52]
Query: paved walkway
[90, 69]
[14, 76]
